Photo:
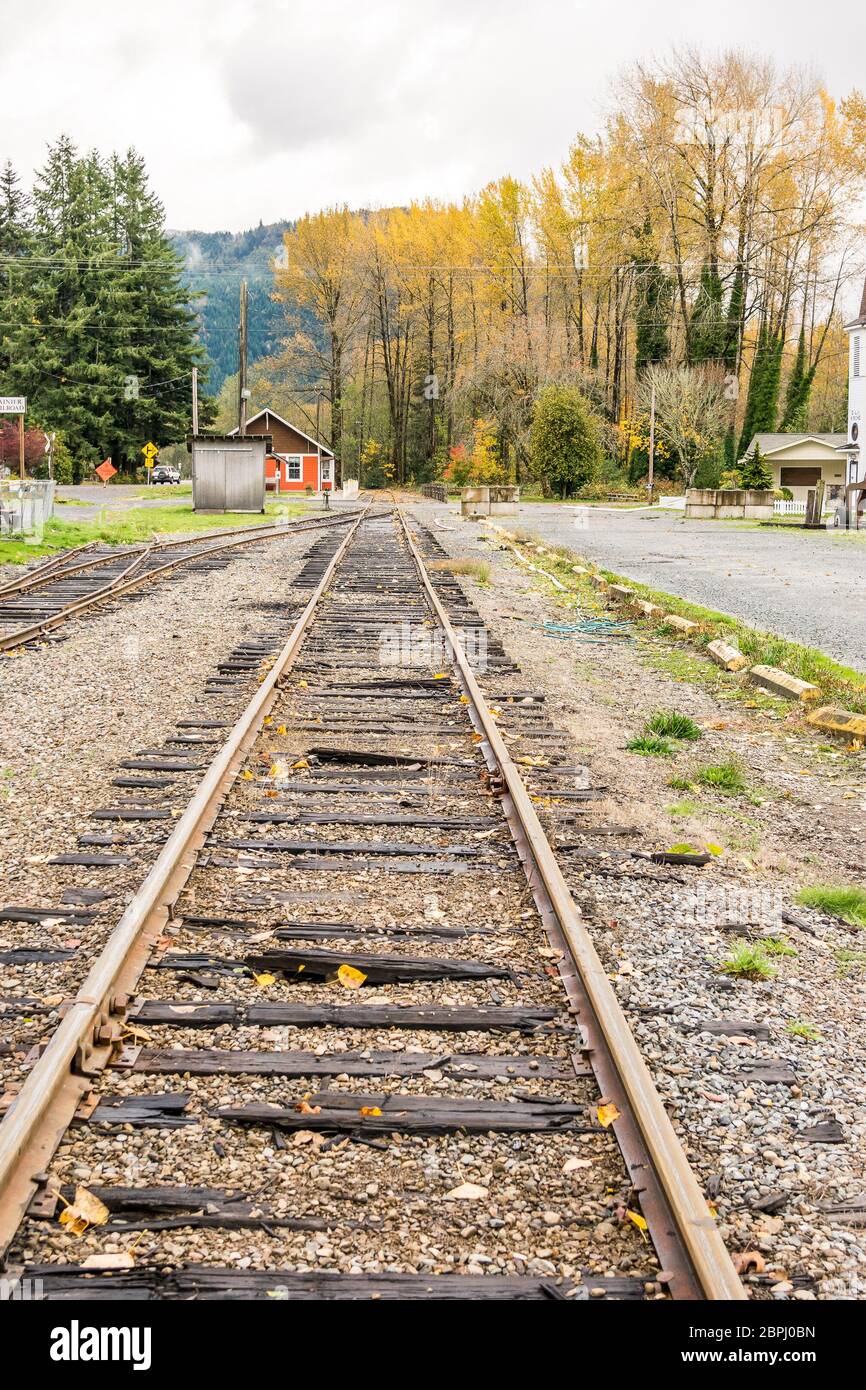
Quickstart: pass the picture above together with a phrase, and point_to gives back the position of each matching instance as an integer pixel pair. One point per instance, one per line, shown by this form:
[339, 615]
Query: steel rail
[121, 585]
[622, 1071]
[84, 1040]
[54, 570]
[46, 571]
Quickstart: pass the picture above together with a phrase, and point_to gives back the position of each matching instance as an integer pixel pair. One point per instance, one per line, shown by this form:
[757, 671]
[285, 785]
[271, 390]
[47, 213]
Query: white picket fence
[783, 508]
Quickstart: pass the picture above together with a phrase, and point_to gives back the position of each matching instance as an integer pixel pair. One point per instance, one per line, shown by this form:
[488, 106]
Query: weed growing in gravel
[798, 1029]
[684, 808]
[747, 962]
[651, 746]
[475, 569]
[669, 724]
[847, 902]
[722, 777]
[681, 784]
[850, 960]
[776, 946]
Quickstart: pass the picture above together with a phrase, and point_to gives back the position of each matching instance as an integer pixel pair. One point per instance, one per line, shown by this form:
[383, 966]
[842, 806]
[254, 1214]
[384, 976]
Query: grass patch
[747, 962]
[650, 745]
[669, 724]
[681, 810]
[798, 1029]
[726, 778]
[848, 961]
[474, 569]
[133, 526]
[776, 946]
[848, 903]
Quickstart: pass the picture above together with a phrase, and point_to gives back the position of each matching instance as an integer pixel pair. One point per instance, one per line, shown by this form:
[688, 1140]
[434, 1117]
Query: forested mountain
[214, 265]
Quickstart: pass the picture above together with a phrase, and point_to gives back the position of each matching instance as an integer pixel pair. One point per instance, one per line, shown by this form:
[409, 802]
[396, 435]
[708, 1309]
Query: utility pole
[318, 445]
[652, 443]
[242, 362]
[195, 400]
[21, 445]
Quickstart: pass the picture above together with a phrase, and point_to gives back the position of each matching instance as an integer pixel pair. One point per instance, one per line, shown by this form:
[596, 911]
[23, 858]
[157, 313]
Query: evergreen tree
[652, 312]
[15, 300]
[105, 349]
[799, 389]
[754, 473]
[708, 319]
[764, 379]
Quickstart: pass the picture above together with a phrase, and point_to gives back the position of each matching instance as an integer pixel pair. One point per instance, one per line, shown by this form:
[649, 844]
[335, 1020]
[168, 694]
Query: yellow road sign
[150, 451]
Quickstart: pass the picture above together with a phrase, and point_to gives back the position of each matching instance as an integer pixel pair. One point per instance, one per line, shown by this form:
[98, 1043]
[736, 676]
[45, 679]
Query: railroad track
[351, 1024]
[66, 586]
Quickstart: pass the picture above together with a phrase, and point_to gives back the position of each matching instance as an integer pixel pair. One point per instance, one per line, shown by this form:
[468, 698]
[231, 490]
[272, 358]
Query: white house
[799, 461]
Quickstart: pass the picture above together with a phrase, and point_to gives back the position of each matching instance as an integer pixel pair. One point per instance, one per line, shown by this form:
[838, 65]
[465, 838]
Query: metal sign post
[16, 405]
[150, 452]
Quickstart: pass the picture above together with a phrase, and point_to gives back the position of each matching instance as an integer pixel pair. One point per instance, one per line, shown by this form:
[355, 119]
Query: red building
[298, 461]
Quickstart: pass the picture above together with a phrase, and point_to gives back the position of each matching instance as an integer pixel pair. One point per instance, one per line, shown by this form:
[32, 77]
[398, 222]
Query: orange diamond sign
[105, 470]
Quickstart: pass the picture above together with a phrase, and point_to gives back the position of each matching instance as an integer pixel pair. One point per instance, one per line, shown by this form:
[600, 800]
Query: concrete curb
[781, 683]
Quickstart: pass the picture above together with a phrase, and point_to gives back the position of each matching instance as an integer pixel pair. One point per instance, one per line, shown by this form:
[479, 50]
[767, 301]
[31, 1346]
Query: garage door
[799, 477]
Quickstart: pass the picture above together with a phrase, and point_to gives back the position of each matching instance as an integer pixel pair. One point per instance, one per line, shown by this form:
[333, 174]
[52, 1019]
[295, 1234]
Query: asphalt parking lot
[806, 585]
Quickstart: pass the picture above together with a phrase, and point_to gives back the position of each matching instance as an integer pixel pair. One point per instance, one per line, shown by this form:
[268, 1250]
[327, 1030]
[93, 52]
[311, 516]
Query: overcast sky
[249, 110]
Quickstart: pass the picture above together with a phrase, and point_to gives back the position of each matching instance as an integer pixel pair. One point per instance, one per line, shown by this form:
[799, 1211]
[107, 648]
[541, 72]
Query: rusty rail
[123, 584]
[83, 1042]
[675, 1208]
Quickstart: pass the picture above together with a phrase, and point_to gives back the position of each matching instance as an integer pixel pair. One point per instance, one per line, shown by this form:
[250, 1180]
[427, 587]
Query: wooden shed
[296, 461]
[228, 472]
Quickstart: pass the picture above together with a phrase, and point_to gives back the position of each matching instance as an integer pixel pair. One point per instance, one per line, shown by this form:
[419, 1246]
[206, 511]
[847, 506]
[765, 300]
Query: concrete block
[621, 592]
[781, 683]
[726, 656]
[840, 721]
[681, 624]
[649, 610]
[598, 582]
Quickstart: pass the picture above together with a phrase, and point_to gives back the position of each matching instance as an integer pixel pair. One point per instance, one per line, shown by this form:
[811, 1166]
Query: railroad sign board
[13, 405]
[105, 470]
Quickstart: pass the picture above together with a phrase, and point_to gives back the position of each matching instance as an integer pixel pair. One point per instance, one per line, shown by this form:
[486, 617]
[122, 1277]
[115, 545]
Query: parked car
[164, 473]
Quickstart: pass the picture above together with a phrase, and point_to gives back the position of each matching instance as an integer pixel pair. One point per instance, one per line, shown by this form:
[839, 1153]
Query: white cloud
[269, 108]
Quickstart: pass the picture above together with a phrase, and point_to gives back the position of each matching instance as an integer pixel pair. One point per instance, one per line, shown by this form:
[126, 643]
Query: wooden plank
[206, 1283]
[436, 1017]
[383, 818]
[378, 969]
[324, 931]
[336, 1112]
[22, 955]
[351, 847]
[388, 1062]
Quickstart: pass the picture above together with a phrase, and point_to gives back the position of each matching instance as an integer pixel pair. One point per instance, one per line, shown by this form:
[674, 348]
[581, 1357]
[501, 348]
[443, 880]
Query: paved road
[806, 585]
[89, 499]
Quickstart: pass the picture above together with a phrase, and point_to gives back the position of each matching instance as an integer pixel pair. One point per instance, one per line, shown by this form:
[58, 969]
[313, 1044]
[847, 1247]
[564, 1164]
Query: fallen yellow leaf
[607, 1114]
[636, 1218]
[350, 978]
[370, 1110]
[247, 775]
[86, 1210]
[265, 979]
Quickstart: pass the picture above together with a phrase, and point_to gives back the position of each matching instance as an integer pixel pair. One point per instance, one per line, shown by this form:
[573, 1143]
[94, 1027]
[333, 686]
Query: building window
[855, 354]
[326, 470]
[293, 468]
